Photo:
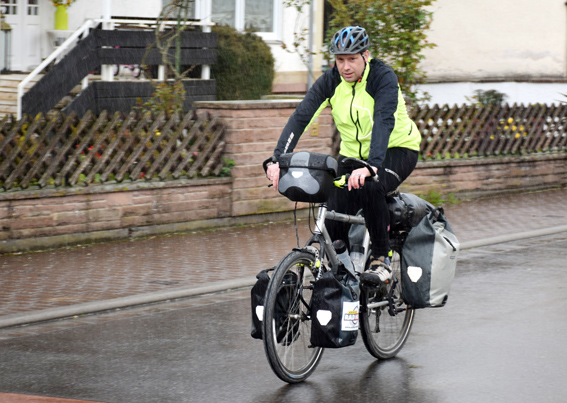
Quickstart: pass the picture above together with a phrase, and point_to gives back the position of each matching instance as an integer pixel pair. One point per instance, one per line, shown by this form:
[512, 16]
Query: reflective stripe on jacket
[370, 114]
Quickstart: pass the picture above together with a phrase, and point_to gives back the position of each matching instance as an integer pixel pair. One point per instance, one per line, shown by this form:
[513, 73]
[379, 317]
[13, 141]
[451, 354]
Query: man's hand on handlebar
[358, 177]
[273, 174]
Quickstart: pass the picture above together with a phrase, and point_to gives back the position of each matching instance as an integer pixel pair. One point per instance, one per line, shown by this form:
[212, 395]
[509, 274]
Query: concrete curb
[184, 292]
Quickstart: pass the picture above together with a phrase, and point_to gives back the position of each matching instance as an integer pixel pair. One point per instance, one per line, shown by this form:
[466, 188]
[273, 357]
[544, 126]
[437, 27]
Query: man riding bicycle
[369, 111]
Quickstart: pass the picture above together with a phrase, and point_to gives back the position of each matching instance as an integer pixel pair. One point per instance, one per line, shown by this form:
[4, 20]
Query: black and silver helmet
[349, 41]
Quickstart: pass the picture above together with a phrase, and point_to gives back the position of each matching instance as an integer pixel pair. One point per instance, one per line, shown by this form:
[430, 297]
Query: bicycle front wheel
[287, 321]
[383, 333]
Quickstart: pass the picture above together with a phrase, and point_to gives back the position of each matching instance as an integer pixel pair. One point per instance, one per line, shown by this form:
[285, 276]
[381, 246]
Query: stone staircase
[9, 92]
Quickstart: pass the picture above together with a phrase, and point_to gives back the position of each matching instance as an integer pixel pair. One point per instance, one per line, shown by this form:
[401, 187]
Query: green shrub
[245, 65]
[488, 97]
[397, 31]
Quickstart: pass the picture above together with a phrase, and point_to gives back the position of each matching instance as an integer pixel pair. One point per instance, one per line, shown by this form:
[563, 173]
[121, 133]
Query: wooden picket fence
[488, 130]
[64, 150]
[59, 150]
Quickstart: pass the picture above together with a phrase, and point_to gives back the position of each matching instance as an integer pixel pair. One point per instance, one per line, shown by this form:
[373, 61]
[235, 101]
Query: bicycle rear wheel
[384, 334]
[287, 321]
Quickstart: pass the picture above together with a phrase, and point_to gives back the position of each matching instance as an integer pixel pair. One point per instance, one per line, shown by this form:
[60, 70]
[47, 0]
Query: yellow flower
[517, 135]
[522, 128]
[491, 137]
[506, 127]
[510, 120]
[514, 128]
[65, 3]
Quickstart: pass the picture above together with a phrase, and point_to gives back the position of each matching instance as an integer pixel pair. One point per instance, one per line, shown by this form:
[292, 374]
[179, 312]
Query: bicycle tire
[384, 335]
[287, 324]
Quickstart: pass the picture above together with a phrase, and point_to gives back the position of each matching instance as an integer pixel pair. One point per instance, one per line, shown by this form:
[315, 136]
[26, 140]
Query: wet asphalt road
[501, 338]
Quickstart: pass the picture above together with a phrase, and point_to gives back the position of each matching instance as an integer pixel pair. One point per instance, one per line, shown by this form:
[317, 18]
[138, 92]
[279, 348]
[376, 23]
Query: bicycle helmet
[349, 41]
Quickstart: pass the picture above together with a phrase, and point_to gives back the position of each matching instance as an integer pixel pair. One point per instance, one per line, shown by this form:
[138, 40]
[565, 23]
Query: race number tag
[350, 316]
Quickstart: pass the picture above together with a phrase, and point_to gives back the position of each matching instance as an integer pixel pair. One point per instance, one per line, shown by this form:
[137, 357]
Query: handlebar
[373, 175]
[272, 159]
[342, 181]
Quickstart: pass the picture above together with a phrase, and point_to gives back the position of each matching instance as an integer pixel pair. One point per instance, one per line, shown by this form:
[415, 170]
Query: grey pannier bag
[429, 260]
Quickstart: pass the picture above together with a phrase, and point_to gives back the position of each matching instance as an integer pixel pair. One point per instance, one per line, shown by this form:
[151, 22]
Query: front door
[23, 16]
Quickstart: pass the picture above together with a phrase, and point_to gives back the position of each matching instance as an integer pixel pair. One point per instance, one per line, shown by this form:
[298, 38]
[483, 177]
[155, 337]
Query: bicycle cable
[295, 224]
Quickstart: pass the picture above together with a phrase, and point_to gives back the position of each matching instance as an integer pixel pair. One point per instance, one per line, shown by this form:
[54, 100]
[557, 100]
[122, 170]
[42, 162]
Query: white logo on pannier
[324, 316]
[414, 273]
[297, 174]
[260, 312]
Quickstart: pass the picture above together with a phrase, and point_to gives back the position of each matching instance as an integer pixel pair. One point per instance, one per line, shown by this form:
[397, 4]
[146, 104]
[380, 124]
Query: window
[9, 7]
[33, 7]
[257, 16]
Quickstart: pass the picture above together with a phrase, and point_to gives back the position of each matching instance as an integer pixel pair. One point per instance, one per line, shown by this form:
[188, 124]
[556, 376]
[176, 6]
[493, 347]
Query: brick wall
[38, 219]
[253, 129]
[42, 218]
[482, 177]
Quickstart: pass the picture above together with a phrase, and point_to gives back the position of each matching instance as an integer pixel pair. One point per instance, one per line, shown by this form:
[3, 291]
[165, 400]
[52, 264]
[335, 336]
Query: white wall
[516, 92]
[83, 10]
[495, 39]
[294, 22]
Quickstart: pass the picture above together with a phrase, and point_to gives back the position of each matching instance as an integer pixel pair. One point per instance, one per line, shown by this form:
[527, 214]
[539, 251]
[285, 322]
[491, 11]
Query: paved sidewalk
[65, 277]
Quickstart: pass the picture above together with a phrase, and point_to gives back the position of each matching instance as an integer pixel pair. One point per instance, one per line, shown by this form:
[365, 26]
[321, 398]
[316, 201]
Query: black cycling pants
[371, 198]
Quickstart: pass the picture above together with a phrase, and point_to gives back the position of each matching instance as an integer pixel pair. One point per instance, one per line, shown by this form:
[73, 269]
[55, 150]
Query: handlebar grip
[373, 175]
[272, 159]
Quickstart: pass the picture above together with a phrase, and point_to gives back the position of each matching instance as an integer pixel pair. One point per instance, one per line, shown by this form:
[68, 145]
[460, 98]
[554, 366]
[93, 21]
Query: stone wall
[43, 218]
[484, 177]
[46, 218]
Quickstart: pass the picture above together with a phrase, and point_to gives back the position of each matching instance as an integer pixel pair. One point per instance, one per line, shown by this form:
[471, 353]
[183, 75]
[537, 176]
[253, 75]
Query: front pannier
[306, 176]
[334, 310]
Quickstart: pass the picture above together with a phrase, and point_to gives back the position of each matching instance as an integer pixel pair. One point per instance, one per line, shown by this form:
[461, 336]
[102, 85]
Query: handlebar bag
[334, 311]
[306, 176]
[429, 260]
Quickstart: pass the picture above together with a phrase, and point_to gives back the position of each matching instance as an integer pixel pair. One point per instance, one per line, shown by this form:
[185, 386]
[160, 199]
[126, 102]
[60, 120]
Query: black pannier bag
[306, 176]
[407, 210]
[257, 296]
[334, 311]
[283, 300]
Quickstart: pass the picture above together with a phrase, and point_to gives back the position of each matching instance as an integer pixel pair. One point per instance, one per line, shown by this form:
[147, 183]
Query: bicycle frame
[322, 237]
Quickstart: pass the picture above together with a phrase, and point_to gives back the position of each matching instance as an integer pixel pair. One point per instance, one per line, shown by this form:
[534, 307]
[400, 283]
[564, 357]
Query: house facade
[34, 36]
[516, 47]
[519, 45]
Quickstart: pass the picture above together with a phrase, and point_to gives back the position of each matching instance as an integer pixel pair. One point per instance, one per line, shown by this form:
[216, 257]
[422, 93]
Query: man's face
[351, 67]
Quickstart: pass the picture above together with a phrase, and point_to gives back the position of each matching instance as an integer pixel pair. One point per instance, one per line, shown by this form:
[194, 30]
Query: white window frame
[275, 35]
[203, 12]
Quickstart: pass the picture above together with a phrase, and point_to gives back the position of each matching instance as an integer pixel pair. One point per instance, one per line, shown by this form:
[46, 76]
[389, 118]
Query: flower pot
[61, 17]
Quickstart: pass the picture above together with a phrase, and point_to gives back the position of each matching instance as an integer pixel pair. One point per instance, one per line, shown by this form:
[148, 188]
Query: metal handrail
[71, 39]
